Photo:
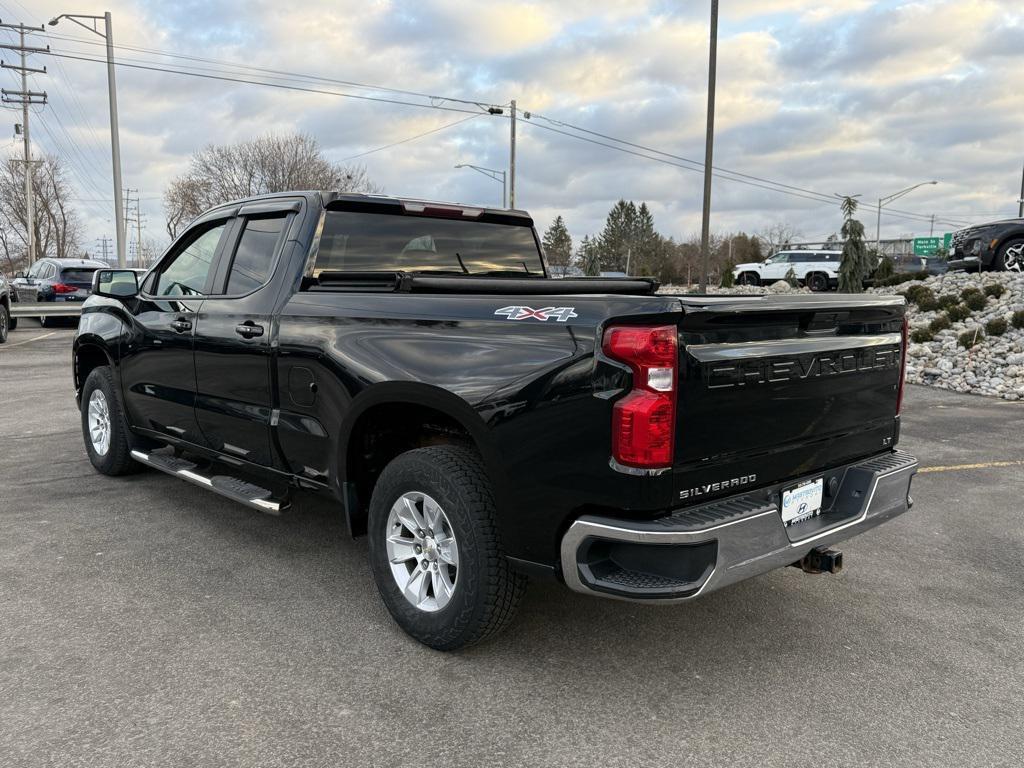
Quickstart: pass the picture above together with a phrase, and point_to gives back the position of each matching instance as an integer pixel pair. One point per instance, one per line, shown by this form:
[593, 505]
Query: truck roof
[328, 197]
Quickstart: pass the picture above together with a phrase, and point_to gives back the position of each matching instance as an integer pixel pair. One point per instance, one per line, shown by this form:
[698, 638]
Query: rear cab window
[360, 241]
[253, 260]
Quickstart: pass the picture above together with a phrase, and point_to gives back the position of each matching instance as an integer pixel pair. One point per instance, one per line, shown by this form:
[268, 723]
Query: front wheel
[749, 278]
[107, 439]
[1010, 257]
[817, 282]
[435, 549]
[5, 322]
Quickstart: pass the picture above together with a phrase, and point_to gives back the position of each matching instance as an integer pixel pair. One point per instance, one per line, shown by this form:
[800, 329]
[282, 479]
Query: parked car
[998, 246]
[480, 421]
[65, 280]
[8, 297]
[818, 270]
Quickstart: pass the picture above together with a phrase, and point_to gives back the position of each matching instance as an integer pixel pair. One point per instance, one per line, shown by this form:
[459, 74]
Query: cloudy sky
[827, 96]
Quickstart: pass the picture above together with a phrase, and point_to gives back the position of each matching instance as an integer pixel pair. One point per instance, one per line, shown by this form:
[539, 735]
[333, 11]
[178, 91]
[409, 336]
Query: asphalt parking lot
[145, 622]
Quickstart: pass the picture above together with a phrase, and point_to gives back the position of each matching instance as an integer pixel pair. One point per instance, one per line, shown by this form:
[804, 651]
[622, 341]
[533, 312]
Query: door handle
[181, 325]
[248, 330]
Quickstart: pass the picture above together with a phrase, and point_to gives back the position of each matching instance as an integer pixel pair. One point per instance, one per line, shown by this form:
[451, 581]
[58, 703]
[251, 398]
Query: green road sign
[947, 240]
[926, 246]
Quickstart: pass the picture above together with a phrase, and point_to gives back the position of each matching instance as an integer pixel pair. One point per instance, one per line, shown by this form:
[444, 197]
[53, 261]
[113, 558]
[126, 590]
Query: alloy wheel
[1013, 258]
[99, 422]
[422, 551]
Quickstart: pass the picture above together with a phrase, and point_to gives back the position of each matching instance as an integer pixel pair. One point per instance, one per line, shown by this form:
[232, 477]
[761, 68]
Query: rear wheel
[435, 550]
[107, 439]
[1010, 257]
[817, 282]
[749, 278]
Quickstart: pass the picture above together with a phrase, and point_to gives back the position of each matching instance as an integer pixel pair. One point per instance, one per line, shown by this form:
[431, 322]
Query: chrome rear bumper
[700, 549]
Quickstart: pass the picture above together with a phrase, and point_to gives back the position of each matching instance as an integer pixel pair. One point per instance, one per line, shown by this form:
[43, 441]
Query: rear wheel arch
[393, 418]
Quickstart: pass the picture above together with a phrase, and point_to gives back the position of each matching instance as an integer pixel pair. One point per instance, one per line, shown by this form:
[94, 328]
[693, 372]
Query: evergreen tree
[855, 264]
[616, 240]
[589, 256]
[558, 247]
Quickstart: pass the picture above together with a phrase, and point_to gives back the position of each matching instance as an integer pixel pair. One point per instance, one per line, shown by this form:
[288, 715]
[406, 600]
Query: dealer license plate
[802, 502]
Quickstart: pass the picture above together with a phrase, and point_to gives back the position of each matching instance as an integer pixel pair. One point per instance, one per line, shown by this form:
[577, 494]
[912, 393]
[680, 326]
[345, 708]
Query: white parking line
[28, 341]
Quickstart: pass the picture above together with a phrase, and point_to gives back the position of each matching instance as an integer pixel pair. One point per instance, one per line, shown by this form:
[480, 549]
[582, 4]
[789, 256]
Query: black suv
[998, 245]
[67, 280]
[8, 295]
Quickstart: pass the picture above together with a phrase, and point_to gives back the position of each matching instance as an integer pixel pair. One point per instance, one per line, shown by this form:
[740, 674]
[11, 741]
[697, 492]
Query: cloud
[846, 96]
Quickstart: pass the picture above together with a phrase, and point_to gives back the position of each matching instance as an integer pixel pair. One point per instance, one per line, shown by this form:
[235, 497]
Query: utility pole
[1020, 202]
[25, 97]
[104, 242]
[115, 142]
[931, 229]
[709, 140]
[512, 159]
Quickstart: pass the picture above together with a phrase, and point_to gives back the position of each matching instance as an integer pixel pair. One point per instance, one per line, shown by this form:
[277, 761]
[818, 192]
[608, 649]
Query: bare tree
[271, 163]
[56, 225]
[779, 236]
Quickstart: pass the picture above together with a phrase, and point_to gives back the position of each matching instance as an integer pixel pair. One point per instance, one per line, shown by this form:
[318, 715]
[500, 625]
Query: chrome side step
[233, 488]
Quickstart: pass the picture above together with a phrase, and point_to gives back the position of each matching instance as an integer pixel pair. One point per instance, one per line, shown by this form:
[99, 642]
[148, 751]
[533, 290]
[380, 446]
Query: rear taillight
[644, 421]
[903, 365]
[63, 288]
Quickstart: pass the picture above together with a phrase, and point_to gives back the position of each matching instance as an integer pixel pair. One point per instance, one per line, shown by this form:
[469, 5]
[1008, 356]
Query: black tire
[1010, 262]
[5, 322]
[42, 321]
[487, 591]
[117, 460]
[749, 278]
[817, 282]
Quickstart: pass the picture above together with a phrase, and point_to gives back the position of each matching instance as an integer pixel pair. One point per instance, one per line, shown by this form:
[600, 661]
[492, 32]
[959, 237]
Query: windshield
[362, 242]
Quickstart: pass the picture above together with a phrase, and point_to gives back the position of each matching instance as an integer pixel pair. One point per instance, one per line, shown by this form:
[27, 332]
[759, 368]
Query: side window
[187, 273]
[254, 255]
[50, 271]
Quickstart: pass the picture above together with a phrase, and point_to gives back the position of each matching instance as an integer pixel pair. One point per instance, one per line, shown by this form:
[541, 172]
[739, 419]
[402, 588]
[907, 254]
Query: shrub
[948, 300]
[921, 335]
[886, 268]
[958, 314]
[791, 278]
[968, 339]
[1018, 319]
[966, 293]
[922, 296]
[995, 290]
[940, 323]
[976, 301]
[996, 327]
[914, 291]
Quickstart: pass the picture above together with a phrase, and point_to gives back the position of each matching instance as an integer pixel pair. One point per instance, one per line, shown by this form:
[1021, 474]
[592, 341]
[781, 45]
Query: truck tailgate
[777, 387]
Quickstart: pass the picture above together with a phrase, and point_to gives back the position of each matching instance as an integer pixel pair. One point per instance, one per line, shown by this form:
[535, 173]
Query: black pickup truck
[482, 422]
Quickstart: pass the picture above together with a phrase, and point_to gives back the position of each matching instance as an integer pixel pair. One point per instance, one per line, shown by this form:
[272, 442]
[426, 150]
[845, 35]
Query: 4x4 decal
[561, 314]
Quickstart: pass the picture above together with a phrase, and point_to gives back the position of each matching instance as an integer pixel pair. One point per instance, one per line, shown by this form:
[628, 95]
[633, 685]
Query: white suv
[818, 270]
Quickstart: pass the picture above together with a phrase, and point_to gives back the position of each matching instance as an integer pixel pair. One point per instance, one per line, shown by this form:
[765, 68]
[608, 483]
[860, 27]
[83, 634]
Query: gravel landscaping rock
[994, 366]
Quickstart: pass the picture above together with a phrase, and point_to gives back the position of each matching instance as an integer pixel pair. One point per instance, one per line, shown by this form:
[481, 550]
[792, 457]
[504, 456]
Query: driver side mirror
[115, 283]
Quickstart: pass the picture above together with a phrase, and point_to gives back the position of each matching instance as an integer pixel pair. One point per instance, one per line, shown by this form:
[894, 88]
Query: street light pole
[490, 173]
[115, 141]
[512, 158]
[709, 139]
[884, 201]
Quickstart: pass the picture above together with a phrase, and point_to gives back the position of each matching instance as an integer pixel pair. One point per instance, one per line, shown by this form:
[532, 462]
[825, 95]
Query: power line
[265, 70]
[412, 138]
[282, 86]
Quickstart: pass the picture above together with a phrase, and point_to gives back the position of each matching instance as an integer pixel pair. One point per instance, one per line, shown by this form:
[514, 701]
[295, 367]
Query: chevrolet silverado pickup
[481, 422]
